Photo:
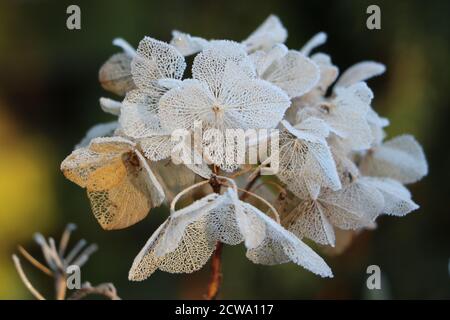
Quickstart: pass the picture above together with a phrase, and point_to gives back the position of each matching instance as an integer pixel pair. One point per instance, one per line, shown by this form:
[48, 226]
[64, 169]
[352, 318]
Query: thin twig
[216, 263]
[75, 250]
[60, 287]
[34, 262]
[65, 239]
[25, 280]
[84, 256]
[249, 186]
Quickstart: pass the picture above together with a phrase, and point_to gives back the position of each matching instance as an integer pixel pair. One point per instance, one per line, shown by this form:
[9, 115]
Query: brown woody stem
[216, 261]
[216, 273]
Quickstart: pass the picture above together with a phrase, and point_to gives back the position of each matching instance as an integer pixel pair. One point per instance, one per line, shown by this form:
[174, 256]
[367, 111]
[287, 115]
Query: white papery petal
[281, 246]
[125, 46]
[154, 187]
[310, 125]
[310, 221]
[156, 60]
[328, 71]
[401, 158]
[375, 119]
[348, 115]
[377, 125]
[99, 130]
[110, 106]
[361, 71]
[397, 198]
[269, 33]
[168, 83]
[210, 65]
[354, 206]
[139, 115]
[294, 73]
[158, 147]
[145, 263]
[187, 44]
[180, 107]
[191, 255]
[180, 219]
[306, 162]
[263, 60]
[242, 103]
[250, 103]
[316, 41]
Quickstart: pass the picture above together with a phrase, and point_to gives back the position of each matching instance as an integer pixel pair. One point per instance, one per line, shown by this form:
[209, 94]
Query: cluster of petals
[335, 163]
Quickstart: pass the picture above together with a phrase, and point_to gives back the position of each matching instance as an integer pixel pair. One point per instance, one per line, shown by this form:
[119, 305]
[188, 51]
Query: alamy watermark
[73, 21]
[226, 147]
[373, 22]
[73, 280]
[373, 281]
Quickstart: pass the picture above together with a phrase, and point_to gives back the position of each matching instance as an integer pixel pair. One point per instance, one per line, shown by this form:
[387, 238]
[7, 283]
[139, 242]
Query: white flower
[361, 71]
[187, 44]
[186, 240]
[268, 34]
[99, 130]
[288, 69]
[110, 106]
[355, 206]
[401, 158]
[306, 162]
[223, 93]
[120, 185]
[317, 40]
[346, 113]
[397, 198]
[156, 67]
[154, 61]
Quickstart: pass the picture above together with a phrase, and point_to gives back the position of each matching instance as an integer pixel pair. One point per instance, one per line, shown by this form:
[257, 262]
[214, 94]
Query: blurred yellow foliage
[27, 200]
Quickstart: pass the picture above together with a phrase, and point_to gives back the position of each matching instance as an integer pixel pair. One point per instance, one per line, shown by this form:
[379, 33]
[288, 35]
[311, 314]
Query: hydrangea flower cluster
[336, 170]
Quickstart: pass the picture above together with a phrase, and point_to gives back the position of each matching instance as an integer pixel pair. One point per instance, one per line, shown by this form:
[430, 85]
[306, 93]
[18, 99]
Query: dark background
[49, 97]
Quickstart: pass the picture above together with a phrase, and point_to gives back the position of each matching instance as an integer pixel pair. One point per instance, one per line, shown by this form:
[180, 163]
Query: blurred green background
[49, 97]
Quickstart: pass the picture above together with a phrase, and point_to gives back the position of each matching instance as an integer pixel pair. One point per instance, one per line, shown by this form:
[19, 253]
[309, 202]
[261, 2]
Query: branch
[216, 273]
[25, 280]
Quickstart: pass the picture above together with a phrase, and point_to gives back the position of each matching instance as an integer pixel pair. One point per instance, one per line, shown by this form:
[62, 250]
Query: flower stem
[216, 261]
[216, 273]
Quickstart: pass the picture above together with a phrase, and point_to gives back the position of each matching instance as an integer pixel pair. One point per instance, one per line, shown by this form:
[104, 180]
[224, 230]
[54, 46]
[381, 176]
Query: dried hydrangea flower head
[336, 171]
